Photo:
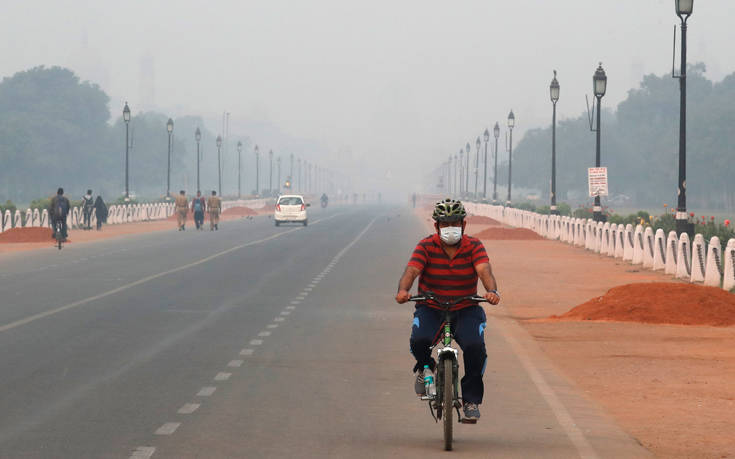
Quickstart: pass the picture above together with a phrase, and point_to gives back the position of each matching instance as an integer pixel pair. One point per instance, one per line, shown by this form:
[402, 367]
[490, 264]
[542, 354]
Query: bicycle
[58, 232]
[447, 369]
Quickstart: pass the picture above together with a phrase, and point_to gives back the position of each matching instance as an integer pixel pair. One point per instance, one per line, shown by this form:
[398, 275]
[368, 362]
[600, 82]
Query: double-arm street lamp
[198, 138]
[599, 84]
[467, 169]
[126, 118]
[449, 175]
[486, 137]
[170, 129]
[477, 164]
[257, 171]
[496, 134]
[219, 164]
[270, 172]
[278, 182]
[554, 93]
[511, 125]
[461, 171]
[684, 9]
[239, 169]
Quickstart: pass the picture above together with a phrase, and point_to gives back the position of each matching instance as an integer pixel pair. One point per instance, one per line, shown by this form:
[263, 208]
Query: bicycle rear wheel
[447, 402]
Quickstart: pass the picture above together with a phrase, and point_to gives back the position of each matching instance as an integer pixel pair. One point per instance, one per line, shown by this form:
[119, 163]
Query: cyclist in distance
[448, 264]
[58, 210]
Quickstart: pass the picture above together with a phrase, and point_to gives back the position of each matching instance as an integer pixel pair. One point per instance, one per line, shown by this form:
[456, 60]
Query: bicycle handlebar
[428, 296]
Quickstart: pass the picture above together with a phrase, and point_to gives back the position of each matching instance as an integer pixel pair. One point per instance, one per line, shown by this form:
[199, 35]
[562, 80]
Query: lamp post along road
[239, 169]
[684, 9]
[170, 129]
[449, 176]
[461, 172]
[126, 118]
[457, 176]
[467, 169]
[257, 171]
[270, 172]
[599, 81]
[554, 93]
[486, 137]
[496, 134]
[198, 138]
[477, 164]
[278, 182]
[511, 125]
[219, 164]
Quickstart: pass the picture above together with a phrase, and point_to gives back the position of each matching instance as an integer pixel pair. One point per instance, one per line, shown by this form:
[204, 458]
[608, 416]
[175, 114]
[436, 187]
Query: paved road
[255, 341]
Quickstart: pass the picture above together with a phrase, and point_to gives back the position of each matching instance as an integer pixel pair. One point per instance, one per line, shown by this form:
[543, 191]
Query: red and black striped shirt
[445, 277]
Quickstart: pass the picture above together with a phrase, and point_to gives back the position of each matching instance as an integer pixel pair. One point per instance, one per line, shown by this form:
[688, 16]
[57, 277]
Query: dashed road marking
[206, 391]
[285, 313]
[188, 408]
[168, 428]
[272, 326]
[247, 352]
[296, 302]
[221, 376]
[291, 307]
[279, 319]
[302, 297]
[143, 452]
[308, 289]
[234, 363]
[256, 342]
[264, 333]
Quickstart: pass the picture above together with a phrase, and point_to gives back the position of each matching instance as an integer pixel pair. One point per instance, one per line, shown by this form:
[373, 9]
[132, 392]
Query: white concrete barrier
[672, 243]
[628, 243]
[699, 253]
[728, 279]
[648, 247]
[713, 270]
[620, 242]
[659, 251]
[684, 257]
[637, 245]
[605, 239]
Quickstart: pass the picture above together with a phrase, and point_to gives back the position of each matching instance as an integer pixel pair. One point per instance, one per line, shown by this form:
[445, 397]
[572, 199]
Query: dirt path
[671, 387]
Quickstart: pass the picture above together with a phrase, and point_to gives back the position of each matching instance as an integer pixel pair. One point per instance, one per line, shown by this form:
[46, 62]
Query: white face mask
[450, 235]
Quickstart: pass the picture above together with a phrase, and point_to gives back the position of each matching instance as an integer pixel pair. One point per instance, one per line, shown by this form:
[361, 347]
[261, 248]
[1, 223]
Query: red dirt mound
[499, 234]
[240, 211]
[479, 220]
[34, 234]
[659, 303]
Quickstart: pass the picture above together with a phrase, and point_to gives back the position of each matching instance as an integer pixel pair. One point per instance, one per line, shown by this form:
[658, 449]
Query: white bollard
[648, 247]
[713, 271]
[17, 221]
[620, 242]
[728, 280]
[628, 243]
[612, 239]
[699, 253]
[672, 245]
[605, 239]
[684, 258]
[36, 218]
[638, 245]
[659, 251]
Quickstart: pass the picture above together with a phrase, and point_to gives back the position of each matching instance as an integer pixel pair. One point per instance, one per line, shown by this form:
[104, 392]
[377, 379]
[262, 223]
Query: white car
[291, 208]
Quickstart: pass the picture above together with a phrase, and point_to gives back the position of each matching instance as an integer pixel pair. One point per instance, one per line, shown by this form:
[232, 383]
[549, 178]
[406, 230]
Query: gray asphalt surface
[255, 341]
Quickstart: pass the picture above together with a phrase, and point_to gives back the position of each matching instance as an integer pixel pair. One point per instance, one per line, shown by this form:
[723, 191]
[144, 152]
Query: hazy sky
[395, 82]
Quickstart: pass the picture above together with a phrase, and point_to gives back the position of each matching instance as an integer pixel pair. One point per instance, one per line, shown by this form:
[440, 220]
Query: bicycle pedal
[468, 421]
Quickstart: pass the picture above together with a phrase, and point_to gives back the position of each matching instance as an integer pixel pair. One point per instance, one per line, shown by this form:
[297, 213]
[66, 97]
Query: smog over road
[222, 223]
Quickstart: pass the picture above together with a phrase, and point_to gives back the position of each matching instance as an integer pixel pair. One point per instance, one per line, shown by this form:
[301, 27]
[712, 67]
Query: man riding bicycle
[58, 210]
[448, 264]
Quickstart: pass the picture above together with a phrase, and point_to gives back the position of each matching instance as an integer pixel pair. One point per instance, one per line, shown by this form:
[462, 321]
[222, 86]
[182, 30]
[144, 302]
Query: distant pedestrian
[214, 205]
[58, 210]
[100, 210]
[182, 207]
[87, 206]
[198, 206]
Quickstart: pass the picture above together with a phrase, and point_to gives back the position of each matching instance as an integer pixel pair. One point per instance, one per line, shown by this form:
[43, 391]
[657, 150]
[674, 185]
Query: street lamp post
[239, 169]
[467, 170]
[599, 80]
[298, 173]
[461, 172]
[684, 9]
[496, 133]
[257, 171]
[554, 93]
[511, 125]
[486, 137]
[477, 164]
[270, 172]
[126, 118]
[219, 164]
[290, 173]
[198, 138]
[170, 129]
[449, 176]
[278, 182]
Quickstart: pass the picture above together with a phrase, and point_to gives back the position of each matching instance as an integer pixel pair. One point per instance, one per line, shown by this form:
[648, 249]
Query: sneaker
[418, 384]
[471, 411]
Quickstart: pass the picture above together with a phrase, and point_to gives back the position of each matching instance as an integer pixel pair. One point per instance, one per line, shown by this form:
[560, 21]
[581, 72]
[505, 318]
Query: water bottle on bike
[429, 383]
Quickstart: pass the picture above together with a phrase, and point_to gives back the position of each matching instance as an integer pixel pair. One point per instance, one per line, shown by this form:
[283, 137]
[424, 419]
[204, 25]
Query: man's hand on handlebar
[492, 297]
[402, 296]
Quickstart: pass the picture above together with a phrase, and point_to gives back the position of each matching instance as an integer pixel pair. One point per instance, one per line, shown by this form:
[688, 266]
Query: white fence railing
[696, 261]
[116, 214]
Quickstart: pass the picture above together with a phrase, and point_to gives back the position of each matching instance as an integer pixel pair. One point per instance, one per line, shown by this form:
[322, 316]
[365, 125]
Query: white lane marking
[256, 342]
[302, 297]
[234, 363]
[144, 280]
[247, 352]
[557, 407]
[285, 313]
[308, 289]
[168, 428]
[143, 452]
[272, 326]
[206, 391]
[291, 307]
[312, 285]
[221, 376]
[264, 333]
[188, 408]
[279, 319]
[295, 302]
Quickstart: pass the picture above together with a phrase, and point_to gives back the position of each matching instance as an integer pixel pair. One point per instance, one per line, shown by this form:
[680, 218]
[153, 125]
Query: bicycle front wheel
[447, 402]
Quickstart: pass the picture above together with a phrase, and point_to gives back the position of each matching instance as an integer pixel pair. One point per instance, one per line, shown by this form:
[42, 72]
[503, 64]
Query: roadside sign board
[597, 178]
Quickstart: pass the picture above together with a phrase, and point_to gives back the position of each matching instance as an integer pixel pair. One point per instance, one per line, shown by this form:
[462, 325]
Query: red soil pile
[517, 234]
[478, 220]
[34, 234]
[659, 303]
[240, 211]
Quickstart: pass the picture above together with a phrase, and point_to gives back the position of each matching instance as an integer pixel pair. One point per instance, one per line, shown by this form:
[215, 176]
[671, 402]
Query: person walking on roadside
[214, 206]
[87, 206]
[182, 207]
[57, 212]
[198, 206]
[100, 211]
